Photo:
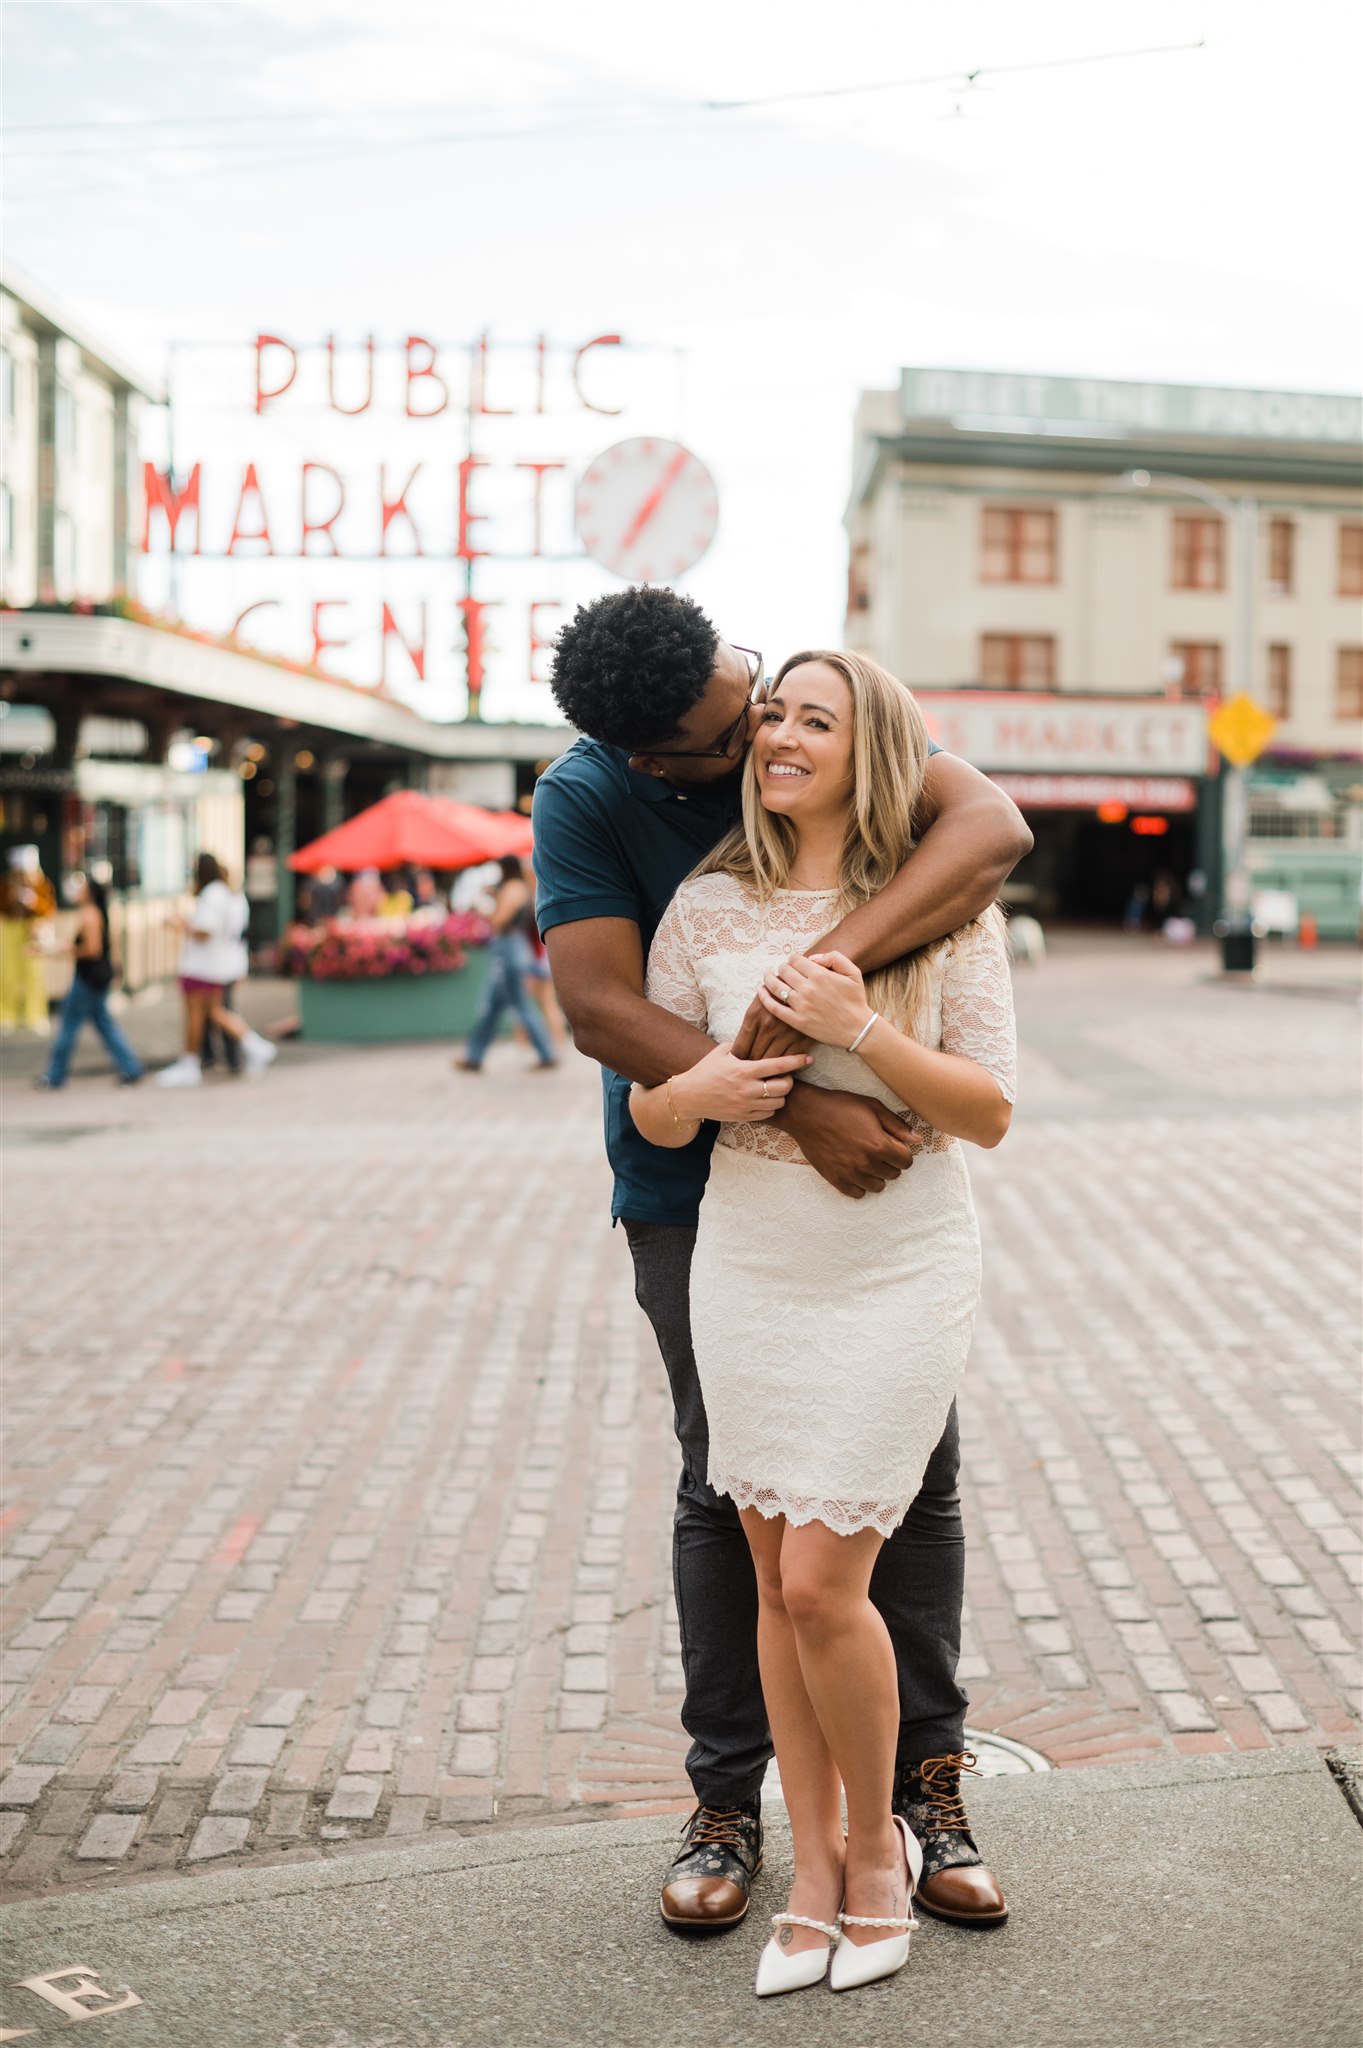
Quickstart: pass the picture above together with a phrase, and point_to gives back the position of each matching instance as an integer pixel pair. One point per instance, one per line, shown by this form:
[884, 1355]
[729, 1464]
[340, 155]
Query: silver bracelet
[874, 1018]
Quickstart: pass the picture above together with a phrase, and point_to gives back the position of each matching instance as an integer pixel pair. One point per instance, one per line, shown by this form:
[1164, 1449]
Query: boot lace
[940, 1777]
[717, 1827]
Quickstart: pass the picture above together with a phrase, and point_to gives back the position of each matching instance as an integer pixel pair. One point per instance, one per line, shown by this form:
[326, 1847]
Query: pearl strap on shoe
[861, 1920]
[799, 1920]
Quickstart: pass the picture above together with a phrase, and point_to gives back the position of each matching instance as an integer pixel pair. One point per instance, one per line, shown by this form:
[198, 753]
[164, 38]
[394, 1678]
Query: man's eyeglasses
[722, 749]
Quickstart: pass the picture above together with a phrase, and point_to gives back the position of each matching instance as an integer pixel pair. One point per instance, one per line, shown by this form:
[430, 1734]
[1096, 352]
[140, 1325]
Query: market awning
[425, 831]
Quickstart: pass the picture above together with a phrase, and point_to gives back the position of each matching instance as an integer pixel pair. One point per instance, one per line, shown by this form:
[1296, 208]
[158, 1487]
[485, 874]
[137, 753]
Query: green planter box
[404, 1006]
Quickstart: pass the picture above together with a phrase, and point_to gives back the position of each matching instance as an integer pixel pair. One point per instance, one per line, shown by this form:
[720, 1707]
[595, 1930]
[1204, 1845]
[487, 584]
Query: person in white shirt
[212, 959]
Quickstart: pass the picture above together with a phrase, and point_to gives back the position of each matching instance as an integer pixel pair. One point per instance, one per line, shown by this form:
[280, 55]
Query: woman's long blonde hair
[889, 766]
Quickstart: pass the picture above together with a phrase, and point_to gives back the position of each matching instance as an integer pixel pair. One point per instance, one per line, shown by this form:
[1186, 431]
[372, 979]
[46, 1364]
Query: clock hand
[655, 498]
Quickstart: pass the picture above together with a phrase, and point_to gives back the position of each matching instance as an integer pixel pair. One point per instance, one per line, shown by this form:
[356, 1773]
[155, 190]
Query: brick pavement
[337, 1498]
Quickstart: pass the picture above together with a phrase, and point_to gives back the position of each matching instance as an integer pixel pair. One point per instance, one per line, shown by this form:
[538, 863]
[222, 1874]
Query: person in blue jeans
[506, 990]
[87, 1000]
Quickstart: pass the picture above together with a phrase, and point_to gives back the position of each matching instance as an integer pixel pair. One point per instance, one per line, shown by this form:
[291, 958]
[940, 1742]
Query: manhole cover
[995, 1757]
[998, 1757]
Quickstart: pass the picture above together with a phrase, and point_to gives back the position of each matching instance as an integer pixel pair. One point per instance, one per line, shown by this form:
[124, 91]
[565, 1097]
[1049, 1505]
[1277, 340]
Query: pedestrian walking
[87, 999]
[668, 710]
[28, 904]
[213, 1038]
[509, 945]
[210, 960]
[539, 979]
[830, 1337]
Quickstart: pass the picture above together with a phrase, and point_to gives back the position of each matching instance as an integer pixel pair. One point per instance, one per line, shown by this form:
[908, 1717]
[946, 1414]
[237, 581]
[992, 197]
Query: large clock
[647, 510]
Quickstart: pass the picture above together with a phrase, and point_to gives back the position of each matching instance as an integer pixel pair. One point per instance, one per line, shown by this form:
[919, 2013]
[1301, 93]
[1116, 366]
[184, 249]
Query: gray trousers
[918, 1581]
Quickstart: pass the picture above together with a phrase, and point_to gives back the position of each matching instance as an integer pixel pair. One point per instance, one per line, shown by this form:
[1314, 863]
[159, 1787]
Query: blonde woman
[831, 1336]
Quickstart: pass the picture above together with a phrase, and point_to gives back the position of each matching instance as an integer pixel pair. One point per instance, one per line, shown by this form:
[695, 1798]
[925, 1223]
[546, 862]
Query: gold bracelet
[680, 1122]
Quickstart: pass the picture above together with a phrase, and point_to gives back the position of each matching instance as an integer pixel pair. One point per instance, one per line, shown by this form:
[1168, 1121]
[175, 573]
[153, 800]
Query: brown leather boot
[955, 1885]
[710, 1882]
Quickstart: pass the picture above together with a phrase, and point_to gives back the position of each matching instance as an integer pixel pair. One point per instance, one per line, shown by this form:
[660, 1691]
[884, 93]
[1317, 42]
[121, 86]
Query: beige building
[129, 744]
[1081, 545]
[68, 426]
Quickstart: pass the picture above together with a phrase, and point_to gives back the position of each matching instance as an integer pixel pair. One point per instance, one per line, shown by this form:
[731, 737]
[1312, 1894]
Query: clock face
[647, 510]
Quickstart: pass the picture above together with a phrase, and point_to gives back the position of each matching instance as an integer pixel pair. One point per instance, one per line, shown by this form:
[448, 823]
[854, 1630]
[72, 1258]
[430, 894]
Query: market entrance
[1098, 870]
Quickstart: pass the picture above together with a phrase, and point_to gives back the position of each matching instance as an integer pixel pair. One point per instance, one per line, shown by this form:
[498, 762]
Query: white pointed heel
[777, 1971]
[855, 1964]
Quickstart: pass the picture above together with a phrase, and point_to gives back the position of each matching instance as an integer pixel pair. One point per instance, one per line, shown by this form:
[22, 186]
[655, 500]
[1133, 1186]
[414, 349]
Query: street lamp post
[1242, 518]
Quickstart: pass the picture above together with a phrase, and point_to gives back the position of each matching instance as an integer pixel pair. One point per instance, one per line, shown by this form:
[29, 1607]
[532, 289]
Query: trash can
[1237, 947]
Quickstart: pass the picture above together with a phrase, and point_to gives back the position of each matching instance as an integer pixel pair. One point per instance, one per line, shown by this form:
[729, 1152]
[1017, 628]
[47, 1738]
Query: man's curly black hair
[629, 667]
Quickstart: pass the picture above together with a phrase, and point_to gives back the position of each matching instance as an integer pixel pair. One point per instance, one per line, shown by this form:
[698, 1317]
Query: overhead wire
[620, 119]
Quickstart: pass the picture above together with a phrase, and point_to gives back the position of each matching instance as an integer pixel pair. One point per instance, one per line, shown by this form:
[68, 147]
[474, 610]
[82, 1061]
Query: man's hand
[856, 1144]
[762, 1036]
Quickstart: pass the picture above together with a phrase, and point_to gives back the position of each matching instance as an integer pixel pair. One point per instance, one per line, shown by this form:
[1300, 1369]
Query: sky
[762, 202]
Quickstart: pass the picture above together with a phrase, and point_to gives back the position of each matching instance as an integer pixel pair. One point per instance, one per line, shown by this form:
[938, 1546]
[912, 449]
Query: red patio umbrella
[511, 830]
[410, 827]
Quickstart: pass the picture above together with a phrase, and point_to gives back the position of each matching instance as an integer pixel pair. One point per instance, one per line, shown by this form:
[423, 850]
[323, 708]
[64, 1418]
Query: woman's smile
[804, 737]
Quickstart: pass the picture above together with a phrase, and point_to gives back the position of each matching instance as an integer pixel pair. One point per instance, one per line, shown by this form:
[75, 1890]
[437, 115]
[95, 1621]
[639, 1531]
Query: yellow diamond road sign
[1241, 729]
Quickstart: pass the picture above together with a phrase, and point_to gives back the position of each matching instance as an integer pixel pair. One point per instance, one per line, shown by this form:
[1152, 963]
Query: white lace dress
[830, 1334]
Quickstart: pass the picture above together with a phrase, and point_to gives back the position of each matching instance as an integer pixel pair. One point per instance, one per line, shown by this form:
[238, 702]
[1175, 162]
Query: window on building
[1282, 536]
[1199, 551]
[1274, 815]
[64, 554]
[1349, 682]
[65, 426]
[1200, 675]
[1351, 557]
[1017, 661]
[859, 578]
[1280, 680]
[6, 384]
[1020, 545]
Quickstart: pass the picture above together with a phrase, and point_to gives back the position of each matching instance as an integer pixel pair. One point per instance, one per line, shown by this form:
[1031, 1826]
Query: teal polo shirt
[610, 842]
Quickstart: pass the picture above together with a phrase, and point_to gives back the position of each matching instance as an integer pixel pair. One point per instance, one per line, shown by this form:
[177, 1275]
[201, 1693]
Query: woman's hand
[820, 994]
[733, 1091]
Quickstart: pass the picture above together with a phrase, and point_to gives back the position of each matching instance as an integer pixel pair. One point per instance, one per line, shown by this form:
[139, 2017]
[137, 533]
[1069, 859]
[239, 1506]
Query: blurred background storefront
[128, 744]
[1070, 572]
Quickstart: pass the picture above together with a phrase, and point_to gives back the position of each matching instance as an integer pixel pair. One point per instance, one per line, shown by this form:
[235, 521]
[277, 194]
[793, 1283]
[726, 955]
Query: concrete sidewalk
[1209, 1902]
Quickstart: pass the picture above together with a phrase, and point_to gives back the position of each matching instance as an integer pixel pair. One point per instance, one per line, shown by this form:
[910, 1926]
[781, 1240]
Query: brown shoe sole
[711, 1926]
[920, 1905]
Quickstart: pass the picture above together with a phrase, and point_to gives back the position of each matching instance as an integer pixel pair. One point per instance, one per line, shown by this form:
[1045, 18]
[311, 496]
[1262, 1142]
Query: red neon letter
[262, 604]
[466, 550]
[348, 410]
[321, 525]
[320, 641]
[539, 469]
[415, 651]
[250, 486]
[601, 341]
[475, 646]
[538, 646]
[394, 508]
[264, 341]
[426, 369]
[541, 347]
[480, 350]
[162, 496]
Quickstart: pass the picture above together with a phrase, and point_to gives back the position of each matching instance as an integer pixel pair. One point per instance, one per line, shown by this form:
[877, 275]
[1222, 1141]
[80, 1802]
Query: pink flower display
[374, 950]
